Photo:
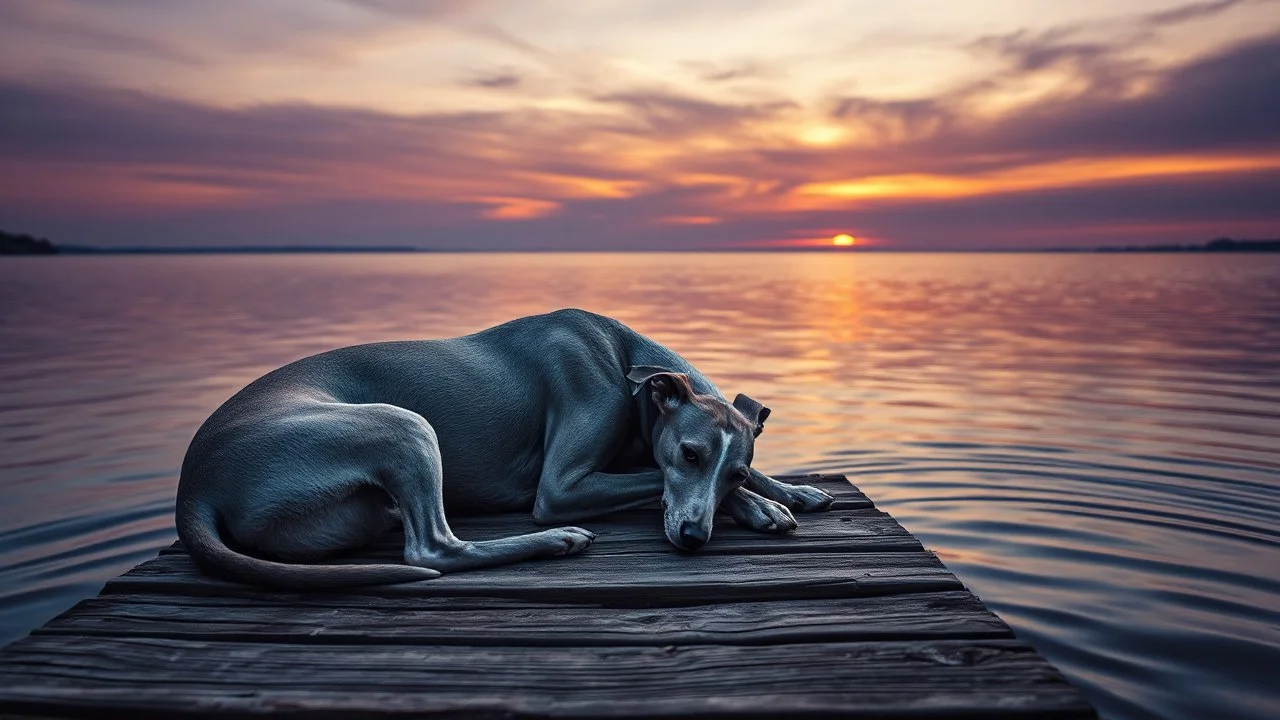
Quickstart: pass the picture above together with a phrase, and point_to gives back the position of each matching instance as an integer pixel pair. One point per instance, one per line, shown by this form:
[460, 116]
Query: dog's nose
[692, 536]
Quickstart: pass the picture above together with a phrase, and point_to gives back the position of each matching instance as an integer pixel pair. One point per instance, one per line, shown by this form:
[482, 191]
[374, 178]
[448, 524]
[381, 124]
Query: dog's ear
[753, 410]
[667, 389]
[638, 374]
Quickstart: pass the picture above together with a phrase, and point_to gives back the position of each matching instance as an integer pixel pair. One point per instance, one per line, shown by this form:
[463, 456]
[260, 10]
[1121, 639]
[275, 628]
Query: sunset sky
[640, 124]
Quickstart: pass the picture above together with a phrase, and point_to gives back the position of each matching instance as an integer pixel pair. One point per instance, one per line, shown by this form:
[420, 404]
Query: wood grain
[852, 525]
[621, 580]
[849, 617]
[481, 621]
[864, 530]
[940, 678]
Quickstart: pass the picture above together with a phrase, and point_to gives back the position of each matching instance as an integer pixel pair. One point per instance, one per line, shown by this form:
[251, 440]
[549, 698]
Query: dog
[570, 414]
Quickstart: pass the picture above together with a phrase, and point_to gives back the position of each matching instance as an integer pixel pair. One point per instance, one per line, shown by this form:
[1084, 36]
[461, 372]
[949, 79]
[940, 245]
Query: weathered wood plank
[463, 621]
[940, 678]
[876, 531]
[838, 486]
[848, 616]
[643, 580]
[864, 530]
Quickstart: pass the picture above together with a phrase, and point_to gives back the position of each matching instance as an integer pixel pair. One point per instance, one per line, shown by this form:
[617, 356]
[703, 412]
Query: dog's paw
[764, 515]
[569, 540]
[806, 498]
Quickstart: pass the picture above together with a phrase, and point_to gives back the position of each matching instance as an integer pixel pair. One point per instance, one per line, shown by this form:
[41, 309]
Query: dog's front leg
[800, 498]
[587, 433]
[757, 513]
[567, 499]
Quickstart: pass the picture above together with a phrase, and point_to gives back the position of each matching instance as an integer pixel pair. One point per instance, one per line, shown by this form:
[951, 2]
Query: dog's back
[487, 396]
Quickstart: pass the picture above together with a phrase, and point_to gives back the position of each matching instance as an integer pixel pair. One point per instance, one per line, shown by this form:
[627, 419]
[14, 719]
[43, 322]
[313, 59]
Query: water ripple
[1089, 442]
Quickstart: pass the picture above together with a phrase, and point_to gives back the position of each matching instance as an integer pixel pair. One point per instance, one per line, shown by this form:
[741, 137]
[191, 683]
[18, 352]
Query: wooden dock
[849, 616]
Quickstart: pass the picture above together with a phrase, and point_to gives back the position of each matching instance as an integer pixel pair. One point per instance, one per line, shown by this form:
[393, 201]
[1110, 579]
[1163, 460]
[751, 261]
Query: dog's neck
[646, 418]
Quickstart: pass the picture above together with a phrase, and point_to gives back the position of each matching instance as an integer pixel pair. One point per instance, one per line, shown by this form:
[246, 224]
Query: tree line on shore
[12, 244]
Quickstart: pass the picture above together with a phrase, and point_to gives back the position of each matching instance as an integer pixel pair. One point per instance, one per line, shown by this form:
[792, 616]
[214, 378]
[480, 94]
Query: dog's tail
[198, 530]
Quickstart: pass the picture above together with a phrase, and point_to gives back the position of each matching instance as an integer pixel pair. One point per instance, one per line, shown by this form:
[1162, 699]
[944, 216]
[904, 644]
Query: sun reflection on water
[1087, 441]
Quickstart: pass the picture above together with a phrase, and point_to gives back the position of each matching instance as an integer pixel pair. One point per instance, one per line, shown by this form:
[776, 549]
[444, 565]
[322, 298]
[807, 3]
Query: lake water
[1091, 442]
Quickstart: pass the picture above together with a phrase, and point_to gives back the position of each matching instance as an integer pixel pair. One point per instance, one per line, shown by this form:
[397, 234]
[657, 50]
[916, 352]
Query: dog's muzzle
[692, 536]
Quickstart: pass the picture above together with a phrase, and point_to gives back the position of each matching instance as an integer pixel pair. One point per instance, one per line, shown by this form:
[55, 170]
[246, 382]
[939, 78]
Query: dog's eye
[689, 453]
[742, 477]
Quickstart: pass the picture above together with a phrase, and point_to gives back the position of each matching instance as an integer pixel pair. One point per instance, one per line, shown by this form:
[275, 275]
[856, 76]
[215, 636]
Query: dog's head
[704, 446]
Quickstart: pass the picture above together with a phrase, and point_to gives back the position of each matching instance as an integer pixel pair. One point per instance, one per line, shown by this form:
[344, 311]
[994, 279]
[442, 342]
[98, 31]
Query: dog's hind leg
[354, 516]
[401, 450]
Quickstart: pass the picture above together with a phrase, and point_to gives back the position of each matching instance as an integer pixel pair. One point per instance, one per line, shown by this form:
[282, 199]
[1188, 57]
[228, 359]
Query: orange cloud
[516, 208]
[116, 191]
[688, 220]
[1041, 176]
[576, 186]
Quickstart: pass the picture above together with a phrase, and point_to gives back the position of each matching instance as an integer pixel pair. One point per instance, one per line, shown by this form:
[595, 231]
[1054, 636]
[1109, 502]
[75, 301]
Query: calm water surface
[1089, 441]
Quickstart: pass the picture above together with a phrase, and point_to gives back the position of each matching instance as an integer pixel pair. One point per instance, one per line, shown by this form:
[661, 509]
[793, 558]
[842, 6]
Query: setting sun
[842, 240]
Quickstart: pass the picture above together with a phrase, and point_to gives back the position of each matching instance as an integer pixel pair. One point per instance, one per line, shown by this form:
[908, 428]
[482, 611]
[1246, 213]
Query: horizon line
[1244, 245]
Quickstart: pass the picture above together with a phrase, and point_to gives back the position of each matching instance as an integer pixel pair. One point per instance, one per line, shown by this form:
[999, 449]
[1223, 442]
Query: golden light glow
[689, 220]
[1064, 173]
[821, 135]
[842, 240]
[575, 186]
[517, 208]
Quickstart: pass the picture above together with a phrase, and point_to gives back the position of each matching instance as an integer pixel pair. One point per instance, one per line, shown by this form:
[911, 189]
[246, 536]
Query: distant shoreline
[11, 244]
[237, 250]
[1219, 245]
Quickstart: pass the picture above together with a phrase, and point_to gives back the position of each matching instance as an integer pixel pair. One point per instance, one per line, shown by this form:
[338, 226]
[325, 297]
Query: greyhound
[571, 414]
